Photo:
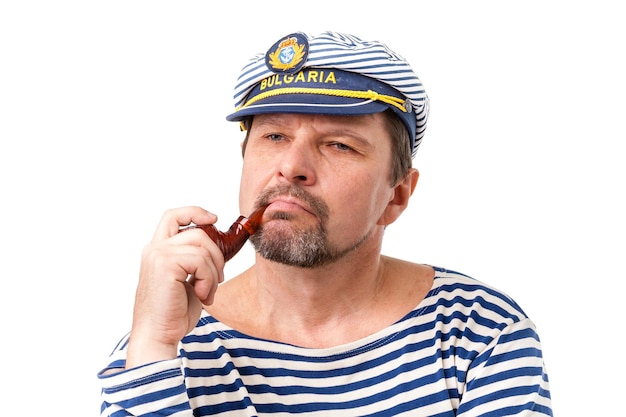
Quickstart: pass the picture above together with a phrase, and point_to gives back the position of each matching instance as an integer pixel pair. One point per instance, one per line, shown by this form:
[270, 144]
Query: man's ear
[399, 200]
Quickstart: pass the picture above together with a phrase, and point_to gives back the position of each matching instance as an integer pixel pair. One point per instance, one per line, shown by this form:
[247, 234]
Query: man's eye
[341, 146]
[274, 137]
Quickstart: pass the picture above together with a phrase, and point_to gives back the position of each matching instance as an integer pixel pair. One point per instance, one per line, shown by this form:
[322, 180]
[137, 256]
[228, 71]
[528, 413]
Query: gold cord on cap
[369, 95]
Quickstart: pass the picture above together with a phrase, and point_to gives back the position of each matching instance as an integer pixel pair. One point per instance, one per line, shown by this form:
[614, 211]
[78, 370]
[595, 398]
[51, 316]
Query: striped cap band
[332, 73]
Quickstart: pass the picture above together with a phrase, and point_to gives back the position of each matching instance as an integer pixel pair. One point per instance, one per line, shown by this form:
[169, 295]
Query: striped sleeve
[142, 390]
[503, 371]
[508, 377]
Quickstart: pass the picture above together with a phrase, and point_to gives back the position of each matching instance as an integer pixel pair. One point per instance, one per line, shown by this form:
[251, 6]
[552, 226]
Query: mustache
[315, 204]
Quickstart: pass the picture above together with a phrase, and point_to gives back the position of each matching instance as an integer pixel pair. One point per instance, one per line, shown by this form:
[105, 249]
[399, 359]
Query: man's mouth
[287, 199]
[289, 205]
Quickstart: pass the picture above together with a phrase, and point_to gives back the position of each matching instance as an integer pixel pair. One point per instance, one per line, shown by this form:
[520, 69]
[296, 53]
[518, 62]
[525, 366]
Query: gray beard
[301, 248]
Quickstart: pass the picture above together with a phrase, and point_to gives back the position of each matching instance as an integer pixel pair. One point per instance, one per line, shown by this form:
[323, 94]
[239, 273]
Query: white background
[113, 111]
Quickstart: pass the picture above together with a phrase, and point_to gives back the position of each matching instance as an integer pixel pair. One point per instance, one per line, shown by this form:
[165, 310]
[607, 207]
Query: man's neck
[321, 307]
[315, 298]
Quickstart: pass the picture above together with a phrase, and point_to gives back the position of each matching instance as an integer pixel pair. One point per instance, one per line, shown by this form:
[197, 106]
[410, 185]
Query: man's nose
[296, 164]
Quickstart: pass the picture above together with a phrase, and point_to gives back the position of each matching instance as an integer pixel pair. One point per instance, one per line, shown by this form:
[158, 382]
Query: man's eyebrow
[347, 132]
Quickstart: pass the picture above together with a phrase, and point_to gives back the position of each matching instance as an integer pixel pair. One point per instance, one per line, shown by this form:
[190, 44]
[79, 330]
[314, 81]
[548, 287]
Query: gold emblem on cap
[288, 54]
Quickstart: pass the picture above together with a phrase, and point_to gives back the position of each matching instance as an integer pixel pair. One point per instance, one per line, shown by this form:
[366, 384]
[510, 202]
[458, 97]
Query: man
[322, 323]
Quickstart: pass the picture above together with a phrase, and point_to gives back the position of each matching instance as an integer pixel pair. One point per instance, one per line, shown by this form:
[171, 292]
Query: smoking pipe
[231, 241]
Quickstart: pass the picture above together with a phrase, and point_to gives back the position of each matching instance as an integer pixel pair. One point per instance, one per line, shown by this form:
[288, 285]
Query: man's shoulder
[453, 286]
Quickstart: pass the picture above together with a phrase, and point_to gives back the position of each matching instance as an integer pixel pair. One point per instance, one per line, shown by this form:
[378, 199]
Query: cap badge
[289, 54]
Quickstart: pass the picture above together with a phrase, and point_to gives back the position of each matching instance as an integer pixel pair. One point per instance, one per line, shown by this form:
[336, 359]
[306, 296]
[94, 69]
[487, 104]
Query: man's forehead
[335, 120]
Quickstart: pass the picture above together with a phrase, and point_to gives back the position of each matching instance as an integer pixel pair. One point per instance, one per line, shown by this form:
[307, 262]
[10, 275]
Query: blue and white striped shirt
[466, 350]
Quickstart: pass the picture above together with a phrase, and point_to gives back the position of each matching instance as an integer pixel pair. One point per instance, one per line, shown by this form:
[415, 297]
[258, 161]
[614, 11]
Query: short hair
[401, 156]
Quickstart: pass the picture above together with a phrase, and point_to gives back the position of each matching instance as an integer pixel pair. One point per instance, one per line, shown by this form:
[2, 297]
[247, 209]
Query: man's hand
[179, 273]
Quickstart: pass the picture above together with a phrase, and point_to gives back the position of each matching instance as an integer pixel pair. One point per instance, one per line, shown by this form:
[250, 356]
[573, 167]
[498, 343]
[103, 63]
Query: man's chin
[279, 242]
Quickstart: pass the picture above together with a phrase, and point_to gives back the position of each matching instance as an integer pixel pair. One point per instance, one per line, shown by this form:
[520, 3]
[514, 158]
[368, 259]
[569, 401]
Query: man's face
[325, 180]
